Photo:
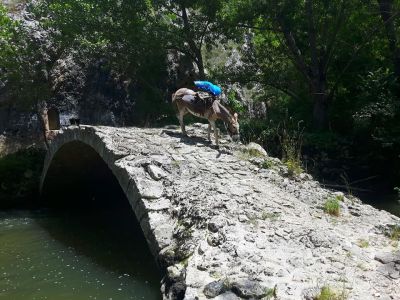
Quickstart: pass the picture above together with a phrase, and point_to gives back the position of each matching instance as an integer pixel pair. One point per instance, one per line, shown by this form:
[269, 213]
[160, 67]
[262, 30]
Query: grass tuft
[395, 233]
[329, 294]
[363, 243]
[332, 207]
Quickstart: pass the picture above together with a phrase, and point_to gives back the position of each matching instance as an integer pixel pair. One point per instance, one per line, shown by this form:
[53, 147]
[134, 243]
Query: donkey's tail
[174, 103]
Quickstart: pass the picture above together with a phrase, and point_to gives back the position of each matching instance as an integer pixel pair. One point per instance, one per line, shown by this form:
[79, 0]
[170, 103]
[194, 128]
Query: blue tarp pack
[208, 87]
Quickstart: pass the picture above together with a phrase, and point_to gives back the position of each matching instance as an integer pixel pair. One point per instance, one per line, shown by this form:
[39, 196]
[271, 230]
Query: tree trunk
[320, 112]
[44, 123]
[386, 10]
[321, 105]
[196, 51]
[200, 65]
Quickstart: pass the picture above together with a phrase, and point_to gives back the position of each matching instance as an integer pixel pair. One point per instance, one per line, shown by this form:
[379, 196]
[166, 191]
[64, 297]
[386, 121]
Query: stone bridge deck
[224, 228]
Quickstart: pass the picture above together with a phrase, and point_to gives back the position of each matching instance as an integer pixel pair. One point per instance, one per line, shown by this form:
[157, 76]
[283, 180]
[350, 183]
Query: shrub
[291, 140]
[19, 175]
[332, 207]
[260, 132]
[395, 233]
[294, 166]
[328, 294]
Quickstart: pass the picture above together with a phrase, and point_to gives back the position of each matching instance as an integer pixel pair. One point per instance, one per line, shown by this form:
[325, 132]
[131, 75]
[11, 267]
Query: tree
[24, 61]
[124, 35]
[189, 26]
[390, 22]
[310, 34]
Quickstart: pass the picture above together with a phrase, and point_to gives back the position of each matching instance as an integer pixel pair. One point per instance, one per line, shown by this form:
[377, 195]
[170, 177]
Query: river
[61, 254]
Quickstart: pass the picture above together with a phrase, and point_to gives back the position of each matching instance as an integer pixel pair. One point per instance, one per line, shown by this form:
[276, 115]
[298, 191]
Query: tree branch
[331, 46]
[294, 50]
[312, 38]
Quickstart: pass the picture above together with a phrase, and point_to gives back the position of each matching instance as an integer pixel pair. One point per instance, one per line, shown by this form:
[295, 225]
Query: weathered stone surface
[210, 216]
[216, 223]
[176, 272]
[227, 296]
[256, 149]
[155, 172]
[214, 289]
[150, 189]
[249, 289]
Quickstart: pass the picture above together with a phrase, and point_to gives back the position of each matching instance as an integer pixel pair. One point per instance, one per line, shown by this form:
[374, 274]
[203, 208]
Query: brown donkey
[188, 101]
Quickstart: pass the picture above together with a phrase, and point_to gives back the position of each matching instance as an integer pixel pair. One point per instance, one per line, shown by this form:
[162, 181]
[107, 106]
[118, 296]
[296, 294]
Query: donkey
[188, 101]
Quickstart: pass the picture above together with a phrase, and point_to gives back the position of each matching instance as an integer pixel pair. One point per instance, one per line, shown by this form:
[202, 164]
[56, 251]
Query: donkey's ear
[235, 115]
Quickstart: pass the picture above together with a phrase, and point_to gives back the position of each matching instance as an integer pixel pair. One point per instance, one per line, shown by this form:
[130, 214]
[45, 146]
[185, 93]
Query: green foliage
[19, 175]
[363, 243]
[24, 64]
[268, 164]
[8, 46]
[8, 29]
[332, 207]
[322, 141]
[270, 293]
[293, 166]
[188, 26]
[339, 198]
[395, 233]
[235, 104]
[291, 140]
[328, 294]
[260, 132]
[246, 153]
[270, 216]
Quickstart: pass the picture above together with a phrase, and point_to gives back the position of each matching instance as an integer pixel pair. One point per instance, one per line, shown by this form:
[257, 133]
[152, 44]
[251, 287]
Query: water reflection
[55, 254]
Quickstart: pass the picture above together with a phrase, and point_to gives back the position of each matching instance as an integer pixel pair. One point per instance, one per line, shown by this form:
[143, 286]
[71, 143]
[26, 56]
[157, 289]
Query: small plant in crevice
[291, 141]
[293, 166]
[267, 164]
[362, 267]
[176, 163]
[362, 243]
[395, 233]
[346, 182]
[271, 293]
[332, 207]
[339, 198]
[253, 220]
[273, 216]
[250, 153]
[327, 293]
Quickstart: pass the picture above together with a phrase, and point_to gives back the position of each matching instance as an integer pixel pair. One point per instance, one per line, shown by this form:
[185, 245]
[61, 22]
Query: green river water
[56, 254]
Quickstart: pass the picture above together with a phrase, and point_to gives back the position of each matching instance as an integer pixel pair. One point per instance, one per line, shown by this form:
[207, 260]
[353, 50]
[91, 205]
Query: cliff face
[85, 87]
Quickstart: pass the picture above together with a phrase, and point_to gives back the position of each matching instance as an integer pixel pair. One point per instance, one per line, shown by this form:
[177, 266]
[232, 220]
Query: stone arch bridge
[224, 224]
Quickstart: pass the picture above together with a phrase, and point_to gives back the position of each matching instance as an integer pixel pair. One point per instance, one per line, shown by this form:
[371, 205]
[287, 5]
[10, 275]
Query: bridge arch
[80, 153]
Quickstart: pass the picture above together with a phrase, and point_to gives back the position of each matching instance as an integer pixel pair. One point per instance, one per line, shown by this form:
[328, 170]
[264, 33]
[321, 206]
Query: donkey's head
[233, 127]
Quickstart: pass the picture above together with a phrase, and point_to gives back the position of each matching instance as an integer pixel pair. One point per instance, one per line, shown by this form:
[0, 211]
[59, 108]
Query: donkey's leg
[180, 116]
[209, 132]
[215, 132]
